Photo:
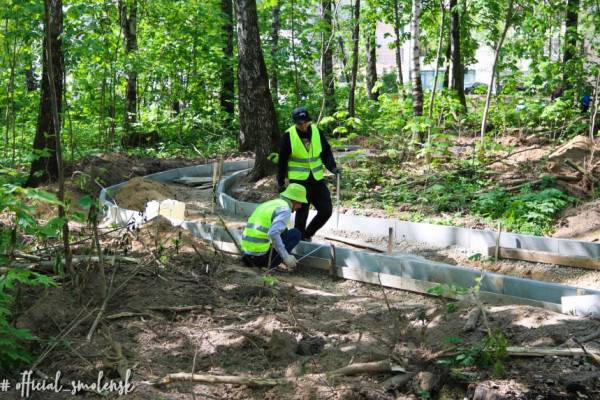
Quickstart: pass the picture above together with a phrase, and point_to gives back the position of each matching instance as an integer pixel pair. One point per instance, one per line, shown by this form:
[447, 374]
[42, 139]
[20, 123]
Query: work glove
[290, 261]
[337, 171]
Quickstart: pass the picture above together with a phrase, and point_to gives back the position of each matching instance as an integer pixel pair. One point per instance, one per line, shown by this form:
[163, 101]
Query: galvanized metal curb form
[407, 272]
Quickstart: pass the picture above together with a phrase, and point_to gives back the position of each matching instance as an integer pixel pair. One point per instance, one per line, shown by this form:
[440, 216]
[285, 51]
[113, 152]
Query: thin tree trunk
[327, 78]
[258, 120]
[446, 82]
[507, 21]
[344, 59]
[128, 16]
[275, 26]
[53, 50]
[227, 78]
[437, 68]
[594, 110]
[458, 69]
[294, 58]
[371, 53]
[398, 42]
[570, 43]
[354, 71]
[10, 90]
[417, 89]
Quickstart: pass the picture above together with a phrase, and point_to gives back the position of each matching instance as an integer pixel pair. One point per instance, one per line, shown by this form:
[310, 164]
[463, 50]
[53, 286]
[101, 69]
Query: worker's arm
[285, 149]
[327, 154]
[280, 220]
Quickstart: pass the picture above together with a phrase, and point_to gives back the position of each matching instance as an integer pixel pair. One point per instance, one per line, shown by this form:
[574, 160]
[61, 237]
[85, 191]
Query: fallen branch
[376, 367]
[369, 368]
[220, 379]
[543, 351]
[177, 309]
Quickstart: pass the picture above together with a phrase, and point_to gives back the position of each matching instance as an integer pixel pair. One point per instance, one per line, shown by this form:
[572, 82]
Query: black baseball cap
[300, 115]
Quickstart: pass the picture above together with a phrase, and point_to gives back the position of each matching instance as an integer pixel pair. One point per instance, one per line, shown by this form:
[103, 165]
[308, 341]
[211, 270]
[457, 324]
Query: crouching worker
[268, 225]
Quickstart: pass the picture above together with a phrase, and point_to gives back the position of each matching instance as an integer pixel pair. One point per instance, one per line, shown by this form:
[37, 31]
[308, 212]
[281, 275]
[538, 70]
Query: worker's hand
[338, 171]
[290, 261]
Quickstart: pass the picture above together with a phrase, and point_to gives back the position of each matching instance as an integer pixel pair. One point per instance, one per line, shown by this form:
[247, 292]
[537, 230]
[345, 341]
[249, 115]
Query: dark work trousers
[318, 195]
[290, 239]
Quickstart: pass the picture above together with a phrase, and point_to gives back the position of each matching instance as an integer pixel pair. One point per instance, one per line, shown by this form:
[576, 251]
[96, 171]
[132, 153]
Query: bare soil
[186, 307]
[304, 325]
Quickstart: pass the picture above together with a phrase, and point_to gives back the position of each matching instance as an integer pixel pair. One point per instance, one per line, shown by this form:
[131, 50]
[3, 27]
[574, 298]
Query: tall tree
[275, 25]
[507, 21]
[417, 88]
[258, 120]
[437, 65]
[371, 55]
[46, 166]
[227, 80]
[446, 81]
[327, 77]
[458, 69]
[570, 43]
[354, 71]
[398, 43]
[129, 23]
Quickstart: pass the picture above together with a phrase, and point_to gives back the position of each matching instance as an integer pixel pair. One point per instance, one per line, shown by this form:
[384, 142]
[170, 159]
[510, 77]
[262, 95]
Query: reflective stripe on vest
[302, 162]
[255, 238]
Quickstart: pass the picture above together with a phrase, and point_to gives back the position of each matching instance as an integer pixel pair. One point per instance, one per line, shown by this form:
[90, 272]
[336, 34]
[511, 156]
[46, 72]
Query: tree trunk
[46, 167]
[227, 79]
[258, 120]
[437, 67]
[371, 52]
[570, 42]
[446, 81]
[275, 24]
[327, 80]
[458, 69]
[344, 58]
[128, 16]
[417, 89]
[398, 42]
[354, 71]
[507, 21]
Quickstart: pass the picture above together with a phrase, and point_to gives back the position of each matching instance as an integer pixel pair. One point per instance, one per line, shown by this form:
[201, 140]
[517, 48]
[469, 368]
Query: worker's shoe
[307, 239]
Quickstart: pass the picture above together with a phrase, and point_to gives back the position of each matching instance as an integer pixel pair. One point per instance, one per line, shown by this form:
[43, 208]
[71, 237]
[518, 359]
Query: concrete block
[587, 305]
[578, 248]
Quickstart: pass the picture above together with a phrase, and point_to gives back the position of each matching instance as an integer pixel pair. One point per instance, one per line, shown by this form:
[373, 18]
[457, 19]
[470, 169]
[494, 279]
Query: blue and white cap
[300, 115]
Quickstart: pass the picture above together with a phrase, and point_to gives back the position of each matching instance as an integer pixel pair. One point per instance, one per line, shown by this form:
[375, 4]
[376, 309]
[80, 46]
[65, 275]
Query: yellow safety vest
[301, 162]
[255, 238]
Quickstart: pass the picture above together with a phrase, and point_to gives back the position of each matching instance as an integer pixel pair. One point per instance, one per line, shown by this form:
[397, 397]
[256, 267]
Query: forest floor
[184, 306]
[205, 312]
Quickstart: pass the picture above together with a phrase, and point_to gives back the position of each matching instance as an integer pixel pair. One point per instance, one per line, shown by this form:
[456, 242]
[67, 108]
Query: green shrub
[531, 212]
[14, 206]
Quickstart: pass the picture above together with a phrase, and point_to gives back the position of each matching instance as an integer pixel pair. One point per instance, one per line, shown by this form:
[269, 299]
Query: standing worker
[268, 224]
[303, 151]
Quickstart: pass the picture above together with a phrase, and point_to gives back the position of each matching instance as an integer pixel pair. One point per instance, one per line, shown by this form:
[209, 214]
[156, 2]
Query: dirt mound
[577, 150]
[113, 168]
[139, 191]
[580, 222]
[256, 192]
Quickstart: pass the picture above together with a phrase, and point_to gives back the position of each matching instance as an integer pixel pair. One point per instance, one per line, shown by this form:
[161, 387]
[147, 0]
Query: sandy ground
[185, 307]
[299, 326]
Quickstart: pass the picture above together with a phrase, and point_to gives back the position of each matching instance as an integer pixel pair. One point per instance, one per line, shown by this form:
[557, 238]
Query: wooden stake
[333, 261]
[496, 253]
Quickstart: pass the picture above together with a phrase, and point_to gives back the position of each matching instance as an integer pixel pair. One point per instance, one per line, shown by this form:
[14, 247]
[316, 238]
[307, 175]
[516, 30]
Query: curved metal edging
[408, 272]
